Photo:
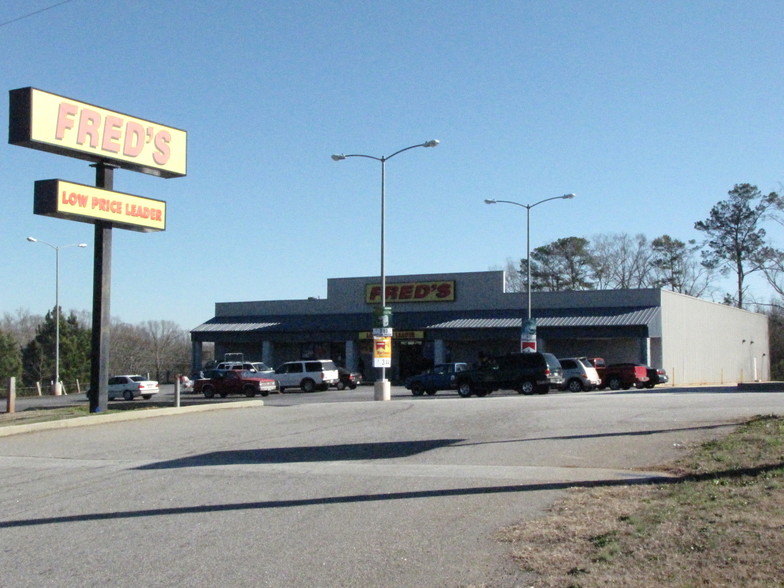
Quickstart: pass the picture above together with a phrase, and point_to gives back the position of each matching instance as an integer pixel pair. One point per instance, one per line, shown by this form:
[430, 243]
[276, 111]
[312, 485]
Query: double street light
[57, 390]
[528, 208]
[382, 388]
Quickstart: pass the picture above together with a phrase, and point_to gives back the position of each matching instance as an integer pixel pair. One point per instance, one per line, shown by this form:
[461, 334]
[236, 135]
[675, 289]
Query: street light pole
[57, 389]
[528, 208]
[382, 390]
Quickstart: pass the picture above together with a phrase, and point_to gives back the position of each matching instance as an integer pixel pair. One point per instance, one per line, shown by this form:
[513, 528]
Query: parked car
[441, 376]
[131, 386]
[225, 382]
[656, 376]
[348, 379]
[527, 372]
[306, 374]
[579, 374]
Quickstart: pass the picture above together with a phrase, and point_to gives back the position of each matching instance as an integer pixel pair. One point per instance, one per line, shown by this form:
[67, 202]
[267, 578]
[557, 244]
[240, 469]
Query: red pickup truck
[225, 382]
[617, 376]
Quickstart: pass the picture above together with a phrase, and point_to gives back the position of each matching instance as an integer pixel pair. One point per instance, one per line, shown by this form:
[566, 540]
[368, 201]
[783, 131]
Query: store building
[454, 317]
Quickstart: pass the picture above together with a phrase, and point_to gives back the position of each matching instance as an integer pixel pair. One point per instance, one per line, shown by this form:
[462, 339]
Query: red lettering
[89, 126]
[375, 292]
[392, 292]
[134, 139]
[406, 292]
[112, 131]
[421, 291]
[444, 290]
[162, 140]
[65, 119]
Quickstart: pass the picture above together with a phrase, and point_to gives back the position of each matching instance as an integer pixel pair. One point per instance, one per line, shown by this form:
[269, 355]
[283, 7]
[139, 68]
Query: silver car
[579, 374]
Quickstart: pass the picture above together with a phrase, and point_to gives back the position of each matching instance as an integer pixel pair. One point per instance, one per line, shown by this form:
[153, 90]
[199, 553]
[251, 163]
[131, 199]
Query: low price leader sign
[86, 204]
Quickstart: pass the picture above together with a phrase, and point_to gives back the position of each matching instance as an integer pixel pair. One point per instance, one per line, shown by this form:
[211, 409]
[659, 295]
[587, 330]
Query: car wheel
[527, 387]
[265, 392]
[307, 385]
[649, 385]
[465, 389]
[575, 385]
[614, 383]
[430, 392]
[250, 391]
[209, 391]
[352, 386]
[146, 396]
[340, 386]
[127, 395]
[417, 389]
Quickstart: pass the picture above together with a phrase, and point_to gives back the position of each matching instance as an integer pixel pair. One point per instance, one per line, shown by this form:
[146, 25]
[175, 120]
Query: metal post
[528, 254]
[102, 275]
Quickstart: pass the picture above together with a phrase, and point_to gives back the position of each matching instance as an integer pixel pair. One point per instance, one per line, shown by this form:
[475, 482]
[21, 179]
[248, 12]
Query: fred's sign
[87, 204]
[412, 292]
[48, 122]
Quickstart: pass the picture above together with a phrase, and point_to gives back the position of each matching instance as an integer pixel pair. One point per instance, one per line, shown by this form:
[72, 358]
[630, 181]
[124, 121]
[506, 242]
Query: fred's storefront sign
[412, 292]
[48, 122]
[70, 201]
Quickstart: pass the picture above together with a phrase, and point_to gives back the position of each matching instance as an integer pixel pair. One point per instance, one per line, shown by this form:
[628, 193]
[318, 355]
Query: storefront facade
[454, 317]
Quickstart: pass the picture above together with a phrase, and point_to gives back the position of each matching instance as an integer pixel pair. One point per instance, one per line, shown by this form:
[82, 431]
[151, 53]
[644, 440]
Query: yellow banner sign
[412, 292]
[87, 204]
[56, 124]
[363, 335]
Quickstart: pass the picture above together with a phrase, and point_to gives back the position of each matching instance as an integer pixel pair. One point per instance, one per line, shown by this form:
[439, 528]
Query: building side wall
[709, 343]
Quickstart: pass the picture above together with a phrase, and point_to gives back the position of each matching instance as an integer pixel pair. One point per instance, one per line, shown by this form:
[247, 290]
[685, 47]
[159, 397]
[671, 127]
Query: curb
[128, 415]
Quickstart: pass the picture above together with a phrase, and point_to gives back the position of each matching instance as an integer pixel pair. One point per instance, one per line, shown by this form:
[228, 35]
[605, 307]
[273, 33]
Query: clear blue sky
[649, 111]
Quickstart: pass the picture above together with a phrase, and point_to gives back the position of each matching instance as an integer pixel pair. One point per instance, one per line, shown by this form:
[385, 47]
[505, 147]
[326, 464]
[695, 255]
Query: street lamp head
[81, 244]
[487, 201]
[32, 239]
[431, 143]
[338, 157]
[568, 196]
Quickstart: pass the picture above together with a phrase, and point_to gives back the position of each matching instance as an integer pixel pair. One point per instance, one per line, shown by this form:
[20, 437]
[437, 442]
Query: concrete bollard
[11, 401]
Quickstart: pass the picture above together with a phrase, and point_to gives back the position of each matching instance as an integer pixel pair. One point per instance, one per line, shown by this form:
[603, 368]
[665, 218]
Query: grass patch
[40, 415]
[720, 522]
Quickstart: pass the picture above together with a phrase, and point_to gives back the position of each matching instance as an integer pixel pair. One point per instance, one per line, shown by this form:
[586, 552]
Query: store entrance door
[411, 359]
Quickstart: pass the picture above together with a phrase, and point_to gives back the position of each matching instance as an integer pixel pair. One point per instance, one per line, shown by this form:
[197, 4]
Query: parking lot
[311, 490]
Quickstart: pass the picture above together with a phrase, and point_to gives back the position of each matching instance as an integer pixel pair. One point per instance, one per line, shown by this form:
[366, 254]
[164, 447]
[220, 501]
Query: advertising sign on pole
[382, 352]
[528, 335]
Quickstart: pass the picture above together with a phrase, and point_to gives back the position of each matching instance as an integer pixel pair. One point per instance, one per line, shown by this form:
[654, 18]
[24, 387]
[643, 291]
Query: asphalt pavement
[349, 492]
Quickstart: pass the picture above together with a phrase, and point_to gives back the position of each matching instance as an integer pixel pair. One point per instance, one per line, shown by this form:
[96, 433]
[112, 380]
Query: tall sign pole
[102, 280]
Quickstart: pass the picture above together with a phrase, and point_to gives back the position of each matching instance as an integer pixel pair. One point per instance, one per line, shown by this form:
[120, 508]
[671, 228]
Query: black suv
[527, 372]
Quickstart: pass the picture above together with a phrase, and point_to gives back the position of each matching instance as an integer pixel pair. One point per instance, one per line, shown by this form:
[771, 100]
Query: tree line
[158, 349]
[736, 243]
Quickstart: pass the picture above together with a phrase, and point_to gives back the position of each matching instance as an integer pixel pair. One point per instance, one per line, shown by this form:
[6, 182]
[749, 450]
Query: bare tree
[621, 261]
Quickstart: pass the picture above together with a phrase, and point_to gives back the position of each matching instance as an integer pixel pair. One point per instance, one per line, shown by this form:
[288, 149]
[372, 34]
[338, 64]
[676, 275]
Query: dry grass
[719, 523]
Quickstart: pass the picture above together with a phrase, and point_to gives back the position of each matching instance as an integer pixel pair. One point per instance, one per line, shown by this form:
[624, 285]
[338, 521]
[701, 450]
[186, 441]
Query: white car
[307, 374]
[579, 374]
[131, 386]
